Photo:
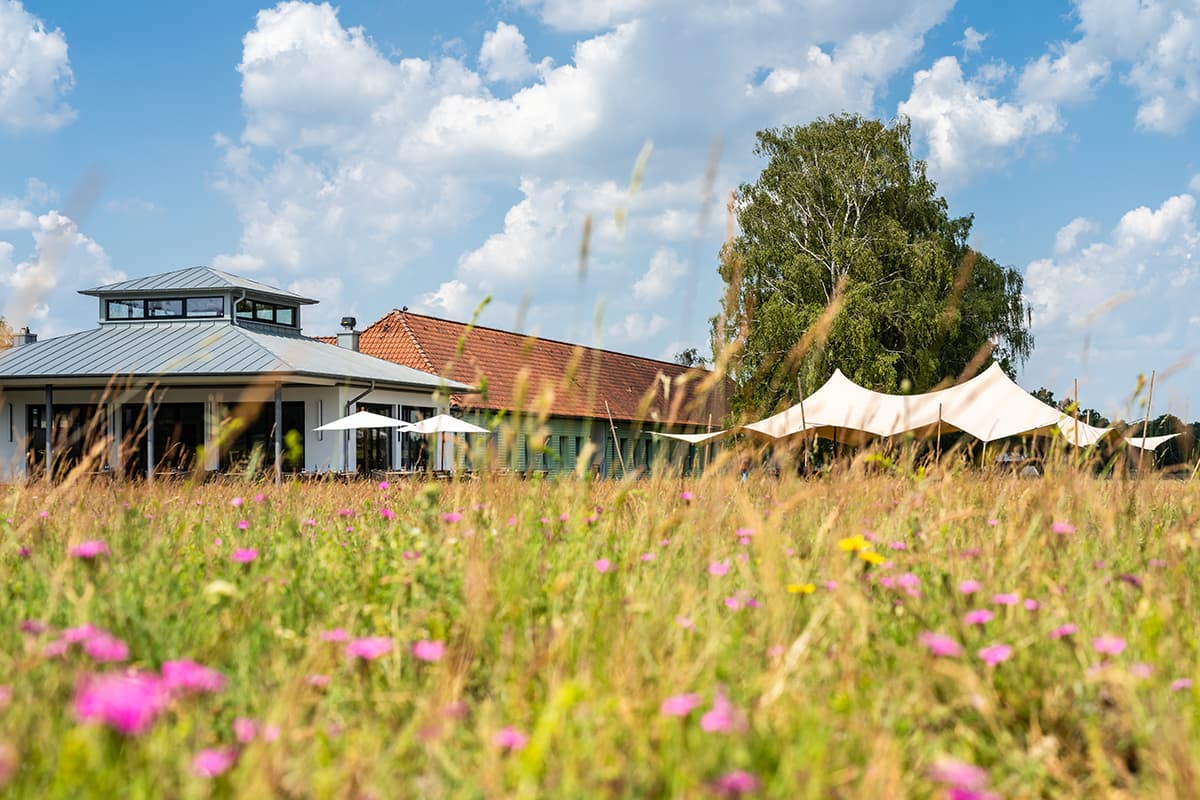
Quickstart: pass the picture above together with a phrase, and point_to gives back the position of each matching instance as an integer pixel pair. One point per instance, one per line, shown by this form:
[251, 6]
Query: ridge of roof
[196, 278]
[535, 337]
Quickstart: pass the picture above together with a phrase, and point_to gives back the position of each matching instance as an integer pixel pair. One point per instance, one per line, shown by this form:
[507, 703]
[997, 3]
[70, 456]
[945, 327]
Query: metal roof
[194, 279]
[200, 349]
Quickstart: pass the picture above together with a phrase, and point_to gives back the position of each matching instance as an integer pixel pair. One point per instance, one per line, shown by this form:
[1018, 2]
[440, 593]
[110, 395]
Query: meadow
[952, 636]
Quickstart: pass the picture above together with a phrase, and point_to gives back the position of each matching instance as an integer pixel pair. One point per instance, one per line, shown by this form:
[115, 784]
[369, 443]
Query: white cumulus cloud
[666, 268]
[504, 55]
[35, 72]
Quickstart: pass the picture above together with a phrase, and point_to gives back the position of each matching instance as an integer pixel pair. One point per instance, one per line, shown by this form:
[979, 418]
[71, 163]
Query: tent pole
[937, 459]
[803, 424]
[1146, 424]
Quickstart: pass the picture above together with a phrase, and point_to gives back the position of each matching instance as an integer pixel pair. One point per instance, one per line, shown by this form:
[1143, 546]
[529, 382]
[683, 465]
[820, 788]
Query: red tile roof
[565, 380]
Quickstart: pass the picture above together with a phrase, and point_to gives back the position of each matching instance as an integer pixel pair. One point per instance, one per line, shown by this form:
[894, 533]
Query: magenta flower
[214, 761]
[92, 548]
[649, 556]
[939, 644]
[369, 648]
[451, 516]
[1108, 645]
[244, 730]
[723, 717]
[980, 616]
[733, 603]
[426, 650]
[718, 568]
[128, 703]
[898, 545]
[56, 648]
[188, 677]
[1141, 670]
[244, 555]
[680, 705]
[993, 522]
[1062, 631]
[243, 524]
[335, 635]
[743, 533]
[319, 681]
[993, 654]
[564, 517]
[602, 565]
[1032, 605]
[387, 513]
[1005, 599]
[24, 552]
[509, 738]
[958, 774]
[80, 633]
[1181, 684]
[969, 587]
[383, 485]
[236, 502]
[258, 498]
[687, 497]
[831, 585]
[106, 648]
[736, 783]
[1062, 527]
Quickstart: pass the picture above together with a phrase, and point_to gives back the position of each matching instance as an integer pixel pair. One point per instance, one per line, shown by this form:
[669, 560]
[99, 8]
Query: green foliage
[843, 216]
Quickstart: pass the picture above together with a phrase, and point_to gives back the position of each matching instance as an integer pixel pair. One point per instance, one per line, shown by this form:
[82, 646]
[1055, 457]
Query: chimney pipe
[23, 336]
[348, 338]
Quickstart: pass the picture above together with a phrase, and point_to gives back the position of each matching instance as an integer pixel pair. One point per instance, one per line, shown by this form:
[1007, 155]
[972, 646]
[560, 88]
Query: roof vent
[23, 336]
[349, 323]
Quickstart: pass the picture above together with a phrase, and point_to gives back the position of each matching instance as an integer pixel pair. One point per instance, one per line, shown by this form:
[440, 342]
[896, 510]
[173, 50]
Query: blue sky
[382, 154]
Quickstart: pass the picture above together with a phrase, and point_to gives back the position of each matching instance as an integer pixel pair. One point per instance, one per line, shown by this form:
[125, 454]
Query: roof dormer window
[165, 308]
[271, 313]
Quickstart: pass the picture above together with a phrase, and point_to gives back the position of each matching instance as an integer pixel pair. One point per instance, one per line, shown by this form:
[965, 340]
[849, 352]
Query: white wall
[322, 452]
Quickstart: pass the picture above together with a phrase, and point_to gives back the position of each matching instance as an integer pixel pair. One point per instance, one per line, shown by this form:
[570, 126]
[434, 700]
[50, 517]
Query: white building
[191, 369]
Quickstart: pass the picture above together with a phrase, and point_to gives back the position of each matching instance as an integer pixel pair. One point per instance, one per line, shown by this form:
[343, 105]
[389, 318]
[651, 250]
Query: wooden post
[616, 439]
[150, 436]
[1146, 424]
[803, 424]
[278, 434]
[49, 420]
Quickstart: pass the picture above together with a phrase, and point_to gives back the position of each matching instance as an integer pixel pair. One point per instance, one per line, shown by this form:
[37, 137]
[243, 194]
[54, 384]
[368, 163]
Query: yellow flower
[854, 543]
[870, 556]
[801, 588]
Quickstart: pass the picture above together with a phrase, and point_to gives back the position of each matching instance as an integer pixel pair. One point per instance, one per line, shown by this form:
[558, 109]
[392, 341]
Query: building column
[278, 434]
[150, 414]
[49, 419]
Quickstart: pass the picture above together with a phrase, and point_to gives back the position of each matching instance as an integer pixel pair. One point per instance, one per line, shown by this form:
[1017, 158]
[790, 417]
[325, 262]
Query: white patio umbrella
[363, 419]
[444, 423]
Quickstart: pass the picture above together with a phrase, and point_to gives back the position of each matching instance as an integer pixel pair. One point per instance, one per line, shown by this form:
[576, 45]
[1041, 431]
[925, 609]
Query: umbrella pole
[937, 458]
[1146, 424]
[803, 424]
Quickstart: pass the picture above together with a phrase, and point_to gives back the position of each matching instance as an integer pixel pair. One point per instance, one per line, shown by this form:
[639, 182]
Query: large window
[166, 308]
[259, 311]
[413, 452]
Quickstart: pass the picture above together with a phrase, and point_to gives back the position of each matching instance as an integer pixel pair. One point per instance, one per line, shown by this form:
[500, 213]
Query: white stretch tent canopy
[694, 438]
[362, 419]
[1149, 442]
[444, 423]
[990, 407]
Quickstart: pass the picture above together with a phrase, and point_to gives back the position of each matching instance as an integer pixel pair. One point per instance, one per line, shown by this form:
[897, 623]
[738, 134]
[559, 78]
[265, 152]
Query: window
[260, 311]
[126, 309]
[205, 306]
[578, 447]
[562, 450]
[164, 308]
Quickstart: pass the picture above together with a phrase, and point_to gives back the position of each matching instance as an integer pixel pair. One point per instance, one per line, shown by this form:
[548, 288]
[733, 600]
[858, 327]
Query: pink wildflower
[1032, 605]
[214, 761]
[244, 730]
[319, 681]
[687, 497]
[680, 705]
[1108, 645]
[426, 650]
[1141, 670]
[236, 502]
[383, 485]
[1062, 527]
[80, 633]
[1005, 599]
[335, 635]
[92, 548]
[723, 717]
[736, 783]
[244, 555]
[369, 648]
[564, 517]
[56, 648]
[993, 522]
[993, 654]
[24, 552]
[743, 533]
[1062, 631]
[958, 774]
[733, 603]
[509, 738]
[939, 644]
[685, 622]
[243, 524]
[718, 568]
[191, 678]
[258, 498]
[387, 513]
[649, 556]
[451, 516]
[602, 565]
[1181, 684]
[898, 546]
[980, 616]
[128, 703]
[5, 695]
[831, 585]
[106, 648]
